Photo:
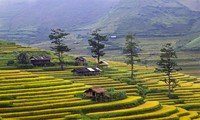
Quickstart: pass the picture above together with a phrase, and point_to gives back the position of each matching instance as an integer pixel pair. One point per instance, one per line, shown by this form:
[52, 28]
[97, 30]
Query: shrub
[24, 66]
[10, 62]
[179, 102]
[157, 90]
[117, 95]
[70, 63]
[51, 64]
[128, 81]
[110, 89]
[81, 95]
[173, 96]
[142, 90]
[23, 58]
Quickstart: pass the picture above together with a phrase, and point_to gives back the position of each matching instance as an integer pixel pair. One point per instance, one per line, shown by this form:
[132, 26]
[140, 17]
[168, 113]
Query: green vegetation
[131, 51]
[57, 36]
[96, 42]
[113, 94]
[167, 64]
[32, 94]
[193, 45]
[23, 58]
[142, 90]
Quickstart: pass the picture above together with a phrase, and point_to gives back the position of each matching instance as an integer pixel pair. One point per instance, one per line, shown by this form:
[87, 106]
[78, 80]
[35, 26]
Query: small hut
[80, 61]
[40, 60]
[86, 71]
[103, 64]
[96, 93]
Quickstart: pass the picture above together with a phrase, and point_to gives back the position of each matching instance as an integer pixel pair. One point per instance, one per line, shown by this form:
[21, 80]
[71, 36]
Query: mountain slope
[191, 4]
[21, 20]
[150, 18]
[29, 21]
[194, 44]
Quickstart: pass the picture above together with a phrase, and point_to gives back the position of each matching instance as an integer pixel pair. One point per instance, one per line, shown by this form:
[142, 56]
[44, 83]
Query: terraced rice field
[31, 96]
[187, 92]
[188, 60]
[8, 51]
[36, 94]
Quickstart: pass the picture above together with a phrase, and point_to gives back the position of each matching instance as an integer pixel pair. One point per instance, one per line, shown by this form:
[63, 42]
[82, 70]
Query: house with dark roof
[80, 61]
[40, 60]
[86, 71]
[96, 93]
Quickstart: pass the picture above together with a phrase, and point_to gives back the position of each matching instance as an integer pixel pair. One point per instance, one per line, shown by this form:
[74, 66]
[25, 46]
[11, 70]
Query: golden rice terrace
[37, 94]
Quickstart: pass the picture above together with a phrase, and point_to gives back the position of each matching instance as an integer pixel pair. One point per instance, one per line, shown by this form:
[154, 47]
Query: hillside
[29, 21]
[191, 4]
[31, 94]
[193, 45]
[150, 18]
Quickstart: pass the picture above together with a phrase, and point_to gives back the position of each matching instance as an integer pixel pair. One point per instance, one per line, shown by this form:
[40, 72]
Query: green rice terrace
[43, 93]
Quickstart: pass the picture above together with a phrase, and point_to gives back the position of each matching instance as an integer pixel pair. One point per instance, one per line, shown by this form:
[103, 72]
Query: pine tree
[57, 36]
[96, 42]
[167, 64]
[131, 51]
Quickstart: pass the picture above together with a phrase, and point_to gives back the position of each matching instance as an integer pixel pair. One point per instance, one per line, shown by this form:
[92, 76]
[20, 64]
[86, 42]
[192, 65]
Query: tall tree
[96, 43]
[167, 64]
[131, 51]
[57, 36]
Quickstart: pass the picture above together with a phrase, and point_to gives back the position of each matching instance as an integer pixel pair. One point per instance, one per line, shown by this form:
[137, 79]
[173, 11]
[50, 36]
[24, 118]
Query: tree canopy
[57, 36]
[131, 51]
[167, 64]
[23, 58]
[97, 45]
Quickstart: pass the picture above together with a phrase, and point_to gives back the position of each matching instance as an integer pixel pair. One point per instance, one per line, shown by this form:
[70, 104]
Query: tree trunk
[98, 55]
[132, 62]
[132, 72]
[60, 60]
[169, 84]
[98, 59]
[61, 66]
[169, 89]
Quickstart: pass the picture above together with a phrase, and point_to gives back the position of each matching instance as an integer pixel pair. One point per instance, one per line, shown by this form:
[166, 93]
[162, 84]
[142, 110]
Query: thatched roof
[96, 90]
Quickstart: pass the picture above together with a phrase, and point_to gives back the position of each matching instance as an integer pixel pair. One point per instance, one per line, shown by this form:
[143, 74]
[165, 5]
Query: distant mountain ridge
[29, 21]
[150, 18]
